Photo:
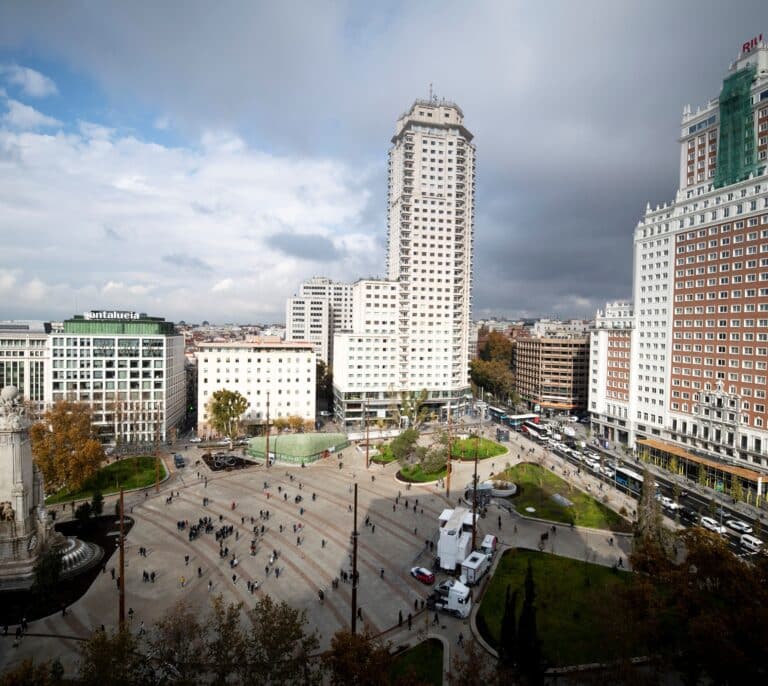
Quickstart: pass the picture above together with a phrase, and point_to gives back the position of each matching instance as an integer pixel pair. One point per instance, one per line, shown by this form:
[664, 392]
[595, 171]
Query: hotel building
[25, 359]
[263, 371]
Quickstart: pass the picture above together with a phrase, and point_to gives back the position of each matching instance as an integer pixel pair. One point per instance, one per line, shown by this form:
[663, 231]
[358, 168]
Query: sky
[198, 160]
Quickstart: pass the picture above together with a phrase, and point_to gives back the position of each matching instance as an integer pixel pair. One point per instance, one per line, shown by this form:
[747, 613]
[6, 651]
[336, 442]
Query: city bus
[495, 413]
[533, 430]
[515, 421]
[629, 480]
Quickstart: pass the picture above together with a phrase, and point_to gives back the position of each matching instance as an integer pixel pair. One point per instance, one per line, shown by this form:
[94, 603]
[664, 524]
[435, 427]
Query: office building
[552, 373]
[262, 370]
[128, 367]
[25, 359]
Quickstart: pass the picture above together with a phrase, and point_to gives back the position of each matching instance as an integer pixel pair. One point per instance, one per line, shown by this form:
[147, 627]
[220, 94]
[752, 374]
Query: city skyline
[138, 174]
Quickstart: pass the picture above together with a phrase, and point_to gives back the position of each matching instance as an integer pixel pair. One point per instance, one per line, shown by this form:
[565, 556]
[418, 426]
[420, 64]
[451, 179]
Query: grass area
[536, 486]
[416, 474]
[465, 449]
[128, 473]
[385, 455]
[577, 605]
[424, 662]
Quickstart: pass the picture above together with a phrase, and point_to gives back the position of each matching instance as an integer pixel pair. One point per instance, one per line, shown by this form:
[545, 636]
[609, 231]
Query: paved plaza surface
[394, 540]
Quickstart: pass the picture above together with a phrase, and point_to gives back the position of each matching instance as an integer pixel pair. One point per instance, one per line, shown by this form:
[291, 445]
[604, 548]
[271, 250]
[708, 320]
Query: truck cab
[453, 597]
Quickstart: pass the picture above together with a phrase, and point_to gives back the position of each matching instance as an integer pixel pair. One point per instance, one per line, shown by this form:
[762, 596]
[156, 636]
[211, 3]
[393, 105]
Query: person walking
[460, 640]
[410, 621]
[399, 621]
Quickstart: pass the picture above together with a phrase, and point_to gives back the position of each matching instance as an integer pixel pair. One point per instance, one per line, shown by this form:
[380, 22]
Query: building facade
[429, 260]
[25, 359]
[699, 323]
[266, 372]
[552, 373]
[321, 309]
[128, 367]
[610, 384]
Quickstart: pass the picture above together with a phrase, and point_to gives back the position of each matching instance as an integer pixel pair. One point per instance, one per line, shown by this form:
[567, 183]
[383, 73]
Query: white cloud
[31, 82]
[94, 215]
[24, 117]
[162, 123]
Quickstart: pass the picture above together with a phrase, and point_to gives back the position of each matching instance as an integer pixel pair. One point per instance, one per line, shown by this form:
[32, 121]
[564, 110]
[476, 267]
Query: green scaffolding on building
[736, 155]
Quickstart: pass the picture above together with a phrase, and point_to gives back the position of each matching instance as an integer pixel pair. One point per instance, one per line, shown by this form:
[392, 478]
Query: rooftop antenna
[431, 96]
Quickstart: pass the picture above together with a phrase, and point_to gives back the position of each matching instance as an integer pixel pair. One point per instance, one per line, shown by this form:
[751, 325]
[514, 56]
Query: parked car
[739, 526]
[712, 525]
[423, 575]
[178, 461]
[195, 439]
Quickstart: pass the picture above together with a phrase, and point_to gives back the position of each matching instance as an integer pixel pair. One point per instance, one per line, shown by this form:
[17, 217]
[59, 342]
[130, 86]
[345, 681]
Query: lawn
[416, 474]
[128, 473]
[385, 455]
[578, 612]
[536, 486]
[465, 448]
[424, 661]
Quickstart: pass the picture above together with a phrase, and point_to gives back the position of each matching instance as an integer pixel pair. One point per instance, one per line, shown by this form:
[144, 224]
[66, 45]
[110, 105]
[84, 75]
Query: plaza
[309, 560]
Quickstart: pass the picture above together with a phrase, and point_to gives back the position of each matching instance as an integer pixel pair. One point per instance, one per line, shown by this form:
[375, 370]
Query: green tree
[64, 446]
[413, 406]
[651, 542]
[97, 503]
[177, 646]
[357, 660]
[528, 644]
[113, 659]
[278, 646]
[47, 570]
[508, 633]
[403, 446]
[225, 645]
[83, 513]
[225, 410]
[495, 376]
[497, 346]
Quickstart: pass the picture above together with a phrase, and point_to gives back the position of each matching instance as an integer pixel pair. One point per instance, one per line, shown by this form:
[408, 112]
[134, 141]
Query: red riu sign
[747, 47]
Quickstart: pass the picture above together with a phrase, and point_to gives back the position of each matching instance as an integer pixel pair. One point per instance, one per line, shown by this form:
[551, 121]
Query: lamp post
[354, 565]
[266, 449]
[448, 460]
[474, 498]
[365, 420]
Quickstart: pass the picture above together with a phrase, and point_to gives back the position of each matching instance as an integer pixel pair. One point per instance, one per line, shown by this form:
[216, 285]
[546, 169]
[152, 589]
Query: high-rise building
[699, 348]
[25, 359]
[430, 234]
[321, 309]
[128, 367]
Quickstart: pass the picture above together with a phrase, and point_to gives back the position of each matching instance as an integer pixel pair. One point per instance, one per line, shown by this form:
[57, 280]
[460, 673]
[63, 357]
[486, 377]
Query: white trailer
[455, 541]
[474, 568]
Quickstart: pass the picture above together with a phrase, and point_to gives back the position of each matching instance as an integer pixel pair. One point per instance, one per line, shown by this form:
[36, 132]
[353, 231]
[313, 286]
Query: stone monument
[25, 526]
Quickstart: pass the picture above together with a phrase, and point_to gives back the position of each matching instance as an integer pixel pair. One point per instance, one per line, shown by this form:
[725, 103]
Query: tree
[48, 567]
[97, 503]
[30, 674]
[508, 634]
[280, 424]
[113, 659]
[497, 347]
[295, 423]
[528, 644]
[652, 541]
[225, 409]
[177, 646]
[83, 513]
[324, 384]
[403, 446]
[413, 407]
[278, 647]
[495, 376]
[225, 646]
[64, 447]
[474, 667]
[357, 660]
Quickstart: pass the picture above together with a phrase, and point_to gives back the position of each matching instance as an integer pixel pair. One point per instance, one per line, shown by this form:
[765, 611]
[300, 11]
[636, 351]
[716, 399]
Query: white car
[738, 525]
[195, 440]
[668, 503]
[608, 472]
[712, 525]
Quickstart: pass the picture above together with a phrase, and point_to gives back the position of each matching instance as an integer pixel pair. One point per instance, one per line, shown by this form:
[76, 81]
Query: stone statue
[6, 511]
[11, 410]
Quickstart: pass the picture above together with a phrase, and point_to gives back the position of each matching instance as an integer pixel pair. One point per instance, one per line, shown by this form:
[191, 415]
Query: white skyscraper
[430, 226]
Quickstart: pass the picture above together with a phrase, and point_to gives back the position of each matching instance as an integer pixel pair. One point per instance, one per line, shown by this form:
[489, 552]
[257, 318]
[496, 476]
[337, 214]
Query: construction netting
[736, 155]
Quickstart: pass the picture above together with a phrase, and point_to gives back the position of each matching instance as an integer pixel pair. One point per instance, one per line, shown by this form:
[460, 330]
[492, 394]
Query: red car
[423, 575]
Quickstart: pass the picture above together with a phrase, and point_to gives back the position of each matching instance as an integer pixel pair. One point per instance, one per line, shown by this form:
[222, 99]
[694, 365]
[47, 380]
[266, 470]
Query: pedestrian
[152, 577]
[381, 574]
[322, 543]
[186, 560]
[399, 621]
[112, 572]
[234, 578]
[373, 528]
[210, 585]
[621, 562]
[141, 628]
[435, 621]
[360, 613]
[410, 621]
[199, 572]
[416, 605]
[460, 640]
[130, 614]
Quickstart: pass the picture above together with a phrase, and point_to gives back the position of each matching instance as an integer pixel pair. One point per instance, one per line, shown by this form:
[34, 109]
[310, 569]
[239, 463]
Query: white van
[750, 543]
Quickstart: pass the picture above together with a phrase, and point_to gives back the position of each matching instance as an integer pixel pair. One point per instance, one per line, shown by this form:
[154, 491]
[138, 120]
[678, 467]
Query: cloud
[186, 262]
[305, 246]
[119, 225]
[31, 83]
[24, 117]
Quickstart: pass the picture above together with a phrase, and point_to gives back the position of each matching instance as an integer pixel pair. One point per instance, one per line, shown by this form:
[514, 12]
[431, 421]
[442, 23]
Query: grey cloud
[114, 234]
[305, 246]
[186, 262]
[575, 107]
